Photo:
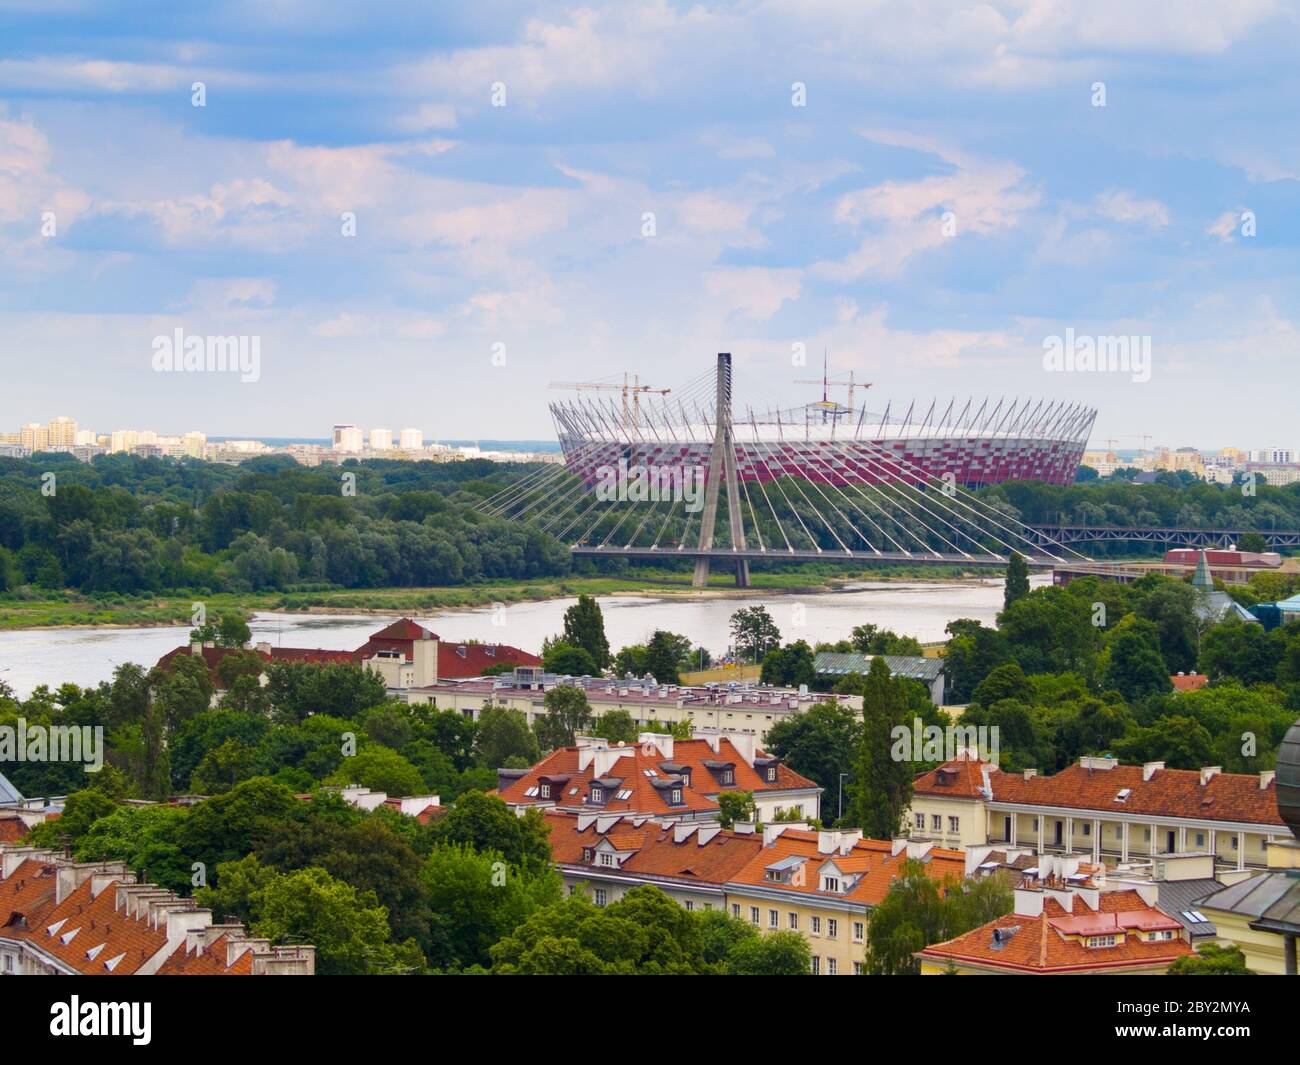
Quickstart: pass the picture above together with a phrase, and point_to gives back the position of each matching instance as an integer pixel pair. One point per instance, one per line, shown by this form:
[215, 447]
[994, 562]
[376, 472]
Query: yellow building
[824, 885]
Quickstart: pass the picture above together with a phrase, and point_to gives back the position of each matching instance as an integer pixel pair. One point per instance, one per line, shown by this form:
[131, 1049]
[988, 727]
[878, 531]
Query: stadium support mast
[722, 467]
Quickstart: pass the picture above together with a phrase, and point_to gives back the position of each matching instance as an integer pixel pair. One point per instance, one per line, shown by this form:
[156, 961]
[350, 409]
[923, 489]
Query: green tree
[1211, 959]
[789, 666]
[735, 806]
[567, 713]
[584, 626]
[380, 769]
[568, 660]
[504, 739]
[818, 744]
[754, 633]
[486, 823]
[616, 726]
[1017, 583]
[663, 656]
[774, 954]
[882, 785]
[1136, 669]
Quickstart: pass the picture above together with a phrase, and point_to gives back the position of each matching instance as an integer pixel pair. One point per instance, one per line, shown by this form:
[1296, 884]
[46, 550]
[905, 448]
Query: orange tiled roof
[82, 922]
[872, 860]
[25, 895]
[1040, 944]
[560, 768]
[657, 853]
[207, 961]
[1189, 682]
[1235, 797]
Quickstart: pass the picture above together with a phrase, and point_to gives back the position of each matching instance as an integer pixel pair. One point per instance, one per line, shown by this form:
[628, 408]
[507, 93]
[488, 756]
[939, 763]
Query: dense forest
[123, 526]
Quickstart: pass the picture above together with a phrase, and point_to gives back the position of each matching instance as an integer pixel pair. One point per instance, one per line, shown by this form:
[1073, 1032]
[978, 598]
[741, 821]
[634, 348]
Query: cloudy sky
[927, 191]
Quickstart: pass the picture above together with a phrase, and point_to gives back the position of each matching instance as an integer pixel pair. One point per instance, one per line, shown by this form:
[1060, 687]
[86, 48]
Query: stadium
[967, 444]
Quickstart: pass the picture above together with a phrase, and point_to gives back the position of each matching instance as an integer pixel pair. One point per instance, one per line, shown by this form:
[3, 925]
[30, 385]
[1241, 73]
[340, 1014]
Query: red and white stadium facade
[832, 444]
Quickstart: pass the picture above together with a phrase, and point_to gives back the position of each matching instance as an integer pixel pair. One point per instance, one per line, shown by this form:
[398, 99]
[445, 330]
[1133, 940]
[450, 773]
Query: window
[1087, 828]
[771, 773]
[1200, 839]
[607, 859]
[597, 794]
[1146, 835]
[676, 796]
[816, 926]
[773, 919]
[794, 921]
[859, 931]
[857, 968]
[816, 965]
[832, 928]
[830, 883]
[1234, 842]
[600, 896]
[753, 914]
[1101, 941]
[728, 776]
[690, 906]
[830, 966]
[735, 909]
[586, 854]
[920, 822]
[954, 824]
[936, 822]
[546, 791]
[9, 963]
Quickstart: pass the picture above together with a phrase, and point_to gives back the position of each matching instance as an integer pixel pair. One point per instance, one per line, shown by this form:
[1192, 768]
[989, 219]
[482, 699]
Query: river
[85, 657]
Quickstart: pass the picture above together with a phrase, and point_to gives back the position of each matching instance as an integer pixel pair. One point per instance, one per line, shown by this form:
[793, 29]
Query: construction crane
[631, 388]
[826, 384]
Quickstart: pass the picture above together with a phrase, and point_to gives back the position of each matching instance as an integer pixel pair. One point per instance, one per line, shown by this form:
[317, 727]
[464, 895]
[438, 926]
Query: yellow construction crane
[631, 388]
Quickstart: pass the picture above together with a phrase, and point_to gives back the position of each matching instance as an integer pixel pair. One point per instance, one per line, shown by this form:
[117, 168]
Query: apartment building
[1101, 808]
[63, 917]
[1063, 923]
[605, 855]
[824, 885]
[660, 776]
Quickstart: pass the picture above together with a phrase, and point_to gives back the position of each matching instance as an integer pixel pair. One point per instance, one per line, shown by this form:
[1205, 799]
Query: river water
[54, 656]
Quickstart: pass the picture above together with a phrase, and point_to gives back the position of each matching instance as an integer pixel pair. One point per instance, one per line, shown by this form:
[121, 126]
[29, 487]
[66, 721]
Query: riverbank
[78, 612]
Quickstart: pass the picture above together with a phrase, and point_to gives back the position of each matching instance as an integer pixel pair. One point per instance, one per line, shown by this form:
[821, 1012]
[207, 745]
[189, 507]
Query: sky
[426, 213]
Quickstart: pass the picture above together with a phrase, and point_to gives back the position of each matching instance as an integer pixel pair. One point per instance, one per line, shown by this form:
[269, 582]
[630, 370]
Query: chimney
[1030, 774]
[1266, 778]
[1149, 769]
[264, 648]
[196, 647]
[1209, 772]
[1028, 902]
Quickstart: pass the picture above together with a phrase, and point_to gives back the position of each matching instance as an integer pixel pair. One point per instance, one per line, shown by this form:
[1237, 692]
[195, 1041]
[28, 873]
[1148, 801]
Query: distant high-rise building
[1275, 455]
[347, 438]
[35, 437]
[63, 432]
[412, 439]
[381, 439]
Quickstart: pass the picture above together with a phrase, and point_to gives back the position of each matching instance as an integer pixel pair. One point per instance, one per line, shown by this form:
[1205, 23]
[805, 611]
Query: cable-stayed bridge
[684, 478]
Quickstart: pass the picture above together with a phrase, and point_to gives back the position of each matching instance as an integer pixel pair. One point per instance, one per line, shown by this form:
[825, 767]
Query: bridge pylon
[722, 470]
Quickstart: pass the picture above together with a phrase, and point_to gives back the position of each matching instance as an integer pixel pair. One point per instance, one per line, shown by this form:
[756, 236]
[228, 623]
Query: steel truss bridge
[881, 508]
[1051, 536]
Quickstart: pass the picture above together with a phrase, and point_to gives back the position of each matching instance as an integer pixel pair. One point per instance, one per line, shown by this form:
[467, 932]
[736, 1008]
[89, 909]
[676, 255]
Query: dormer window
[545, 791]
[676, 797]
[597, 794]
[728, 776]
[608, 860]
[831, 883]
[586, 854]
[771, 774]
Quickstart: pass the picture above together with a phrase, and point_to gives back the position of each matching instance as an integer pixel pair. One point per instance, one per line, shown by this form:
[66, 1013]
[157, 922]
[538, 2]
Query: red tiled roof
[207, 961]
[1189, 682]
[25, 895]
[84, 922]
[1039, 944]
[404, 629]
[471, 659]
[873, 860]
[657, 853]
[631, 769]
[1235, 797]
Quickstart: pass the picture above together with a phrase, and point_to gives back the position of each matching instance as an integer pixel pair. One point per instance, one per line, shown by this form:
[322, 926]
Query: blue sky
[522, 225]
